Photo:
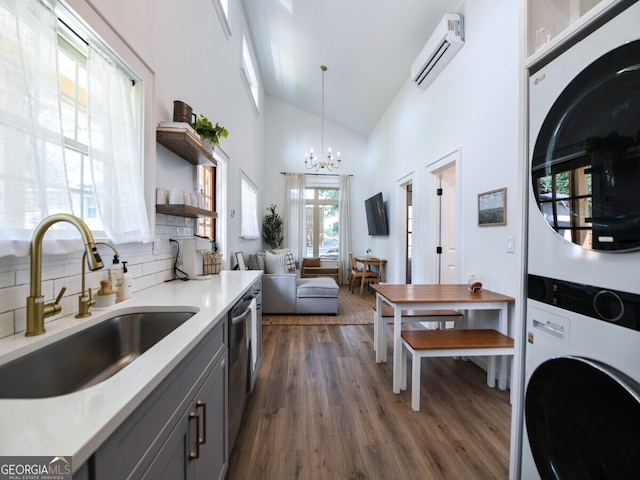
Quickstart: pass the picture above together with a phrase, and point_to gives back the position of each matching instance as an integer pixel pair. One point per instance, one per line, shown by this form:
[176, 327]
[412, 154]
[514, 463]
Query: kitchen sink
[88, 357]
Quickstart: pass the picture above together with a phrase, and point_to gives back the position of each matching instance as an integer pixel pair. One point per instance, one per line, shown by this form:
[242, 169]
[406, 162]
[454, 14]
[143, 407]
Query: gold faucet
[86, 302]
[37, 310]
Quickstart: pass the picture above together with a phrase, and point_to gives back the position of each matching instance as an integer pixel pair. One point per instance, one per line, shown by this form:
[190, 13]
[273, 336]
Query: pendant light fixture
[311, 161]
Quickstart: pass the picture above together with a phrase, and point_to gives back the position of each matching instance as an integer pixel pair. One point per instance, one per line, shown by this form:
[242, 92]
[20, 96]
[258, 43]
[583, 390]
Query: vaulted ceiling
[367, 45]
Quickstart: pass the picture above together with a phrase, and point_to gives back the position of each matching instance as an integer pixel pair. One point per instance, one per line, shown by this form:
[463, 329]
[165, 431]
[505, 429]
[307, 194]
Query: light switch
[511, 244]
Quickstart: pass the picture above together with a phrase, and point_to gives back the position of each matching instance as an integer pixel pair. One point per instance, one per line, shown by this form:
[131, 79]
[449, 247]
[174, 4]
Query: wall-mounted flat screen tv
[376, 215]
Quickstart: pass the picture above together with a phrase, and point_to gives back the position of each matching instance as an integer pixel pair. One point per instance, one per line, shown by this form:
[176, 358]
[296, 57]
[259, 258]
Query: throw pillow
[252, 264]
[275, 263]
[291, 263]
[260, 260]
[311, 262]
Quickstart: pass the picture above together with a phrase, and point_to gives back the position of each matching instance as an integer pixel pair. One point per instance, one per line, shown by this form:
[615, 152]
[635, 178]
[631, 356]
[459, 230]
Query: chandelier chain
[317, 163]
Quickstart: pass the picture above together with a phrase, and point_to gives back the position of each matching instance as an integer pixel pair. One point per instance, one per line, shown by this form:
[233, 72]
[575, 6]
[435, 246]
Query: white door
[441, 226]
[448, 225]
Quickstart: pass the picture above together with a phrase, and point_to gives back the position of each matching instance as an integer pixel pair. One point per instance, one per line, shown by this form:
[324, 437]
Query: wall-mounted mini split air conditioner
[444, 43]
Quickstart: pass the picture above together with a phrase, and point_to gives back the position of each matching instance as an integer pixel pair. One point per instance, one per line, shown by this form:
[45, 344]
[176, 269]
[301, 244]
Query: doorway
[442, 220]
[409, 232]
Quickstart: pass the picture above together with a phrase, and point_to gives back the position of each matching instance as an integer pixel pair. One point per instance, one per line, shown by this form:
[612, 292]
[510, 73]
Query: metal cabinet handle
[202, 404]
[196, 454]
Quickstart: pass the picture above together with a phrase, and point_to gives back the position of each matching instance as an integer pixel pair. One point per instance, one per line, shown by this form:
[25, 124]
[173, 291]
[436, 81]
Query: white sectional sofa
[287, 293]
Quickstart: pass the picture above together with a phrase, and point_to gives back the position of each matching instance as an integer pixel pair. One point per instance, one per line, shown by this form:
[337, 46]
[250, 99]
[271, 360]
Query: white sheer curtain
[294, 221]
[115, 151]
[33, 169]
[33, 179]
[249, 209]
[345, 227]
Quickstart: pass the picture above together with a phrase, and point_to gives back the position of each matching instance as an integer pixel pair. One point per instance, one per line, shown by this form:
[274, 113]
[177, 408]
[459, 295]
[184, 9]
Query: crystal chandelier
[313, 162]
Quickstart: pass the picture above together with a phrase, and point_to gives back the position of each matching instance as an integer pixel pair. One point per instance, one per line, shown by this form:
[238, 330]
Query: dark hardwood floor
[323, 409]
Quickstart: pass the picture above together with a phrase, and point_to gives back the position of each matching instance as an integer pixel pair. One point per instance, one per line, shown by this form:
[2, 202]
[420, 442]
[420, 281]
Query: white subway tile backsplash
[20, 320]
[22, 276]
[146, 266]
[146, 281]
[6, 324]
[13, 298]
[7, 279]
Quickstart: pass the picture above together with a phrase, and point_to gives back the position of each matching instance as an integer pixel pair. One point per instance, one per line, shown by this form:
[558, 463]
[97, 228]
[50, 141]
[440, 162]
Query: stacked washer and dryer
[582, 355]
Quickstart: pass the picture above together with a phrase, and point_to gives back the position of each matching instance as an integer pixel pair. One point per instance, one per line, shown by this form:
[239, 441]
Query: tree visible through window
[322, 223]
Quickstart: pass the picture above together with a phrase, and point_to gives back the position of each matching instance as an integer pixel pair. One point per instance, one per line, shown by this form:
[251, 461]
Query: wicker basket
[211, 263]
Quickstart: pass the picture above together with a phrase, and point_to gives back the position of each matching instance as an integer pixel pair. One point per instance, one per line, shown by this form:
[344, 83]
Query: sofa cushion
[317, 287]
[275, 263]
[256, 261]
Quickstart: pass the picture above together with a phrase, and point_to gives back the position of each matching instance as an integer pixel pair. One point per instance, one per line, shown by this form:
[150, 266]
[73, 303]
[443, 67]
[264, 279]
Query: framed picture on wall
[492, 208]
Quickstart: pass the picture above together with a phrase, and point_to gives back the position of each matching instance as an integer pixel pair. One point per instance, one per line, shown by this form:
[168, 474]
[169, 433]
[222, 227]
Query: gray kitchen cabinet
[81, 473]
[160, 438]
[196, 448]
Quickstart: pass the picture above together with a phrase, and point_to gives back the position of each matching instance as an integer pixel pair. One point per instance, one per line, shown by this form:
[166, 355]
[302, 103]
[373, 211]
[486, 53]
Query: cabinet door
[211, 404]
[172, 460]
[135, 444]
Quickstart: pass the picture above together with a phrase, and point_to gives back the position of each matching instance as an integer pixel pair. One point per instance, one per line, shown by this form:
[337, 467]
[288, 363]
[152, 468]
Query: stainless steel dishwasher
[239, 353]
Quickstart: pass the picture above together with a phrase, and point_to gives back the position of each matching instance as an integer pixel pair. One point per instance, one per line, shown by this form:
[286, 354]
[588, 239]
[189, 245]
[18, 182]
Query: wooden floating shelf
[186, 146]
[185, 211]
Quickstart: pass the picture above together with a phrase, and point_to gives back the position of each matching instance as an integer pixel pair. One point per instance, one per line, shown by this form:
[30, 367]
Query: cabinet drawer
[133, 445]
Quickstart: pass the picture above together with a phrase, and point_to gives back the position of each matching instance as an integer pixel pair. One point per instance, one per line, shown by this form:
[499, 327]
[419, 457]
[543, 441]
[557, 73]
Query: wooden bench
[440, 316]
[451, 343]
[311, 268]
[311, 272]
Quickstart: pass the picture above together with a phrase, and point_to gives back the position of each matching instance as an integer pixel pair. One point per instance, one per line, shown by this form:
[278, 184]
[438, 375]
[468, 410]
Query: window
[248, 73]
[206, 191]
[249, 205]
[222, 9]
[95, 152]
[565, 203]
[72, 73]
[322, 223]
[70, 129]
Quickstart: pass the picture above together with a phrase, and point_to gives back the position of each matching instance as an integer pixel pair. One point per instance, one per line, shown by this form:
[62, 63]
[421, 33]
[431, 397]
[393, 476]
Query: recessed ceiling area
[368, 47]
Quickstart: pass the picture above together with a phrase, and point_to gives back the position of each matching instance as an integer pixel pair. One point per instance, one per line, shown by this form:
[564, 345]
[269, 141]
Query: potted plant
[272, 228]
[209, 133]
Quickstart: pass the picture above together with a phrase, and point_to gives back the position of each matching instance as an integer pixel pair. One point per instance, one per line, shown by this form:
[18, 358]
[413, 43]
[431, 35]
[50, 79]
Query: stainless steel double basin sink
[88, 357]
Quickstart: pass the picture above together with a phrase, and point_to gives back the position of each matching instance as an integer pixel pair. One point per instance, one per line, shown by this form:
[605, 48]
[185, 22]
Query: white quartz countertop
[76, 424]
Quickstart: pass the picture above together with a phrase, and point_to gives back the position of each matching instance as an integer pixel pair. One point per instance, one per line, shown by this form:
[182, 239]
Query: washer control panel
[612, 306]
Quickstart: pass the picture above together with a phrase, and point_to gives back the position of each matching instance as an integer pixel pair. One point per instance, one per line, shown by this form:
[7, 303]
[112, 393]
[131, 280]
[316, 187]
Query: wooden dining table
[432, 297]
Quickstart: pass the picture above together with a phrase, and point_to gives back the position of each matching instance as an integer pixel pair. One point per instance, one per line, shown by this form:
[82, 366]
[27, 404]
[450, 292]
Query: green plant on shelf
[207, 130]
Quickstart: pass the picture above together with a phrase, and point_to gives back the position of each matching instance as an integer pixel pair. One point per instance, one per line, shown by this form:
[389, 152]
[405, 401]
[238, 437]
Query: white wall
[184, 44]
[290, 132]
[472, 105]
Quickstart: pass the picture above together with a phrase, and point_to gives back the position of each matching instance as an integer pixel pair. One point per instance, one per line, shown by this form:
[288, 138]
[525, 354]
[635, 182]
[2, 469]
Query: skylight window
[222, 9]
[248, 73]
